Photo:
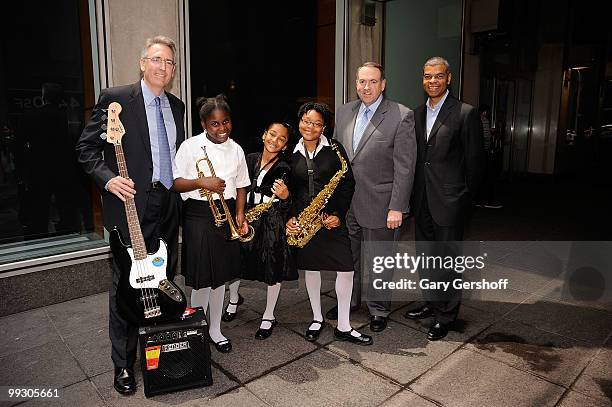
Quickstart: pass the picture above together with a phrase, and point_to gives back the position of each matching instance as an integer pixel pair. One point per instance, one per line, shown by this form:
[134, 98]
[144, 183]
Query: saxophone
[309, 221]
[255, 212]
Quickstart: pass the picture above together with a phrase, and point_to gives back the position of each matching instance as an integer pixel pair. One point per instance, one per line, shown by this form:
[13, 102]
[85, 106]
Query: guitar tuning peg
[103, 126]
[103, 136]
[104, 117]
[104, 110]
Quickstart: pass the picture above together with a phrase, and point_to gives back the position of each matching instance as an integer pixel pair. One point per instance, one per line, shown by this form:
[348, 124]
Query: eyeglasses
[308, 123]
[157, 61]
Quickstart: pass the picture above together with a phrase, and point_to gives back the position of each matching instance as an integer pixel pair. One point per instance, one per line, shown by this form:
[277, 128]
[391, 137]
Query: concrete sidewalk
[527, 350]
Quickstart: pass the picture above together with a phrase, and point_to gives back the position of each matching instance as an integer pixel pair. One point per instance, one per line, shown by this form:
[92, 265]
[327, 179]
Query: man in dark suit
[378, 135]
[154, 129]
[450, 164]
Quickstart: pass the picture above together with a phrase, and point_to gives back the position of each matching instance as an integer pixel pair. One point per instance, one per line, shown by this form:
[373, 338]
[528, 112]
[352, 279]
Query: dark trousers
[160, 220]
[380, 305]
[434, 240]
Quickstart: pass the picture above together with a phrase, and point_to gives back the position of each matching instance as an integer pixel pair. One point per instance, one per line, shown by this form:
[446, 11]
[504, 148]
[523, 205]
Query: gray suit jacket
[384, 162]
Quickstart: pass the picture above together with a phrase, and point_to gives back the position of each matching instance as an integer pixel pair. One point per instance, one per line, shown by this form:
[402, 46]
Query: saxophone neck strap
[311, 167]
[258, 169]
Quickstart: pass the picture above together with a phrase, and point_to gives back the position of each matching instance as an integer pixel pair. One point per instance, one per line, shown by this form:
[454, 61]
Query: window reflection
[46, 205]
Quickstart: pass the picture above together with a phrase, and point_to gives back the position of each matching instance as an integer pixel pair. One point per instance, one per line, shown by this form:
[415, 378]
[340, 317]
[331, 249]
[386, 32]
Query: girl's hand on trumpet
[213, 184]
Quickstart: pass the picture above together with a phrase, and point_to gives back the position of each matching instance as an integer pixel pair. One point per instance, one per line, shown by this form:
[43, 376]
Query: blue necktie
[360, 126]
[165, 162]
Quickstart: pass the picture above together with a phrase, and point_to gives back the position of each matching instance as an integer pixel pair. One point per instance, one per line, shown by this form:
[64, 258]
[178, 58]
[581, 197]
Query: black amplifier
[175, 355]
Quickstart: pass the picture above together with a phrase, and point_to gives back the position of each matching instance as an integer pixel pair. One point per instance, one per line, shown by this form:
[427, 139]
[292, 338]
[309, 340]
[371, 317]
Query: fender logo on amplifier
[171, 347]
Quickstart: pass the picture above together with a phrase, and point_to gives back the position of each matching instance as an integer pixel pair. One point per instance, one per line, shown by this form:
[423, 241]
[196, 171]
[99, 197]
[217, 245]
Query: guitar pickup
[145, 279]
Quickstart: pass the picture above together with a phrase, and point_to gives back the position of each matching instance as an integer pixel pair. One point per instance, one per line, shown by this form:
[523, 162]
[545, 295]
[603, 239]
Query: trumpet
[225, 216]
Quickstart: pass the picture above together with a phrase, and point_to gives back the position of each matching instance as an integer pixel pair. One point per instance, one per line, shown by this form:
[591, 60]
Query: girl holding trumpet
[209, 260]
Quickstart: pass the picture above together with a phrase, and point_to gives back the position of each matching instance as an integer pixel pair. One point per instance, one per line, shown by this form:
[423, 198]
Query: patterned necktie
[360, 126]
[165, 162]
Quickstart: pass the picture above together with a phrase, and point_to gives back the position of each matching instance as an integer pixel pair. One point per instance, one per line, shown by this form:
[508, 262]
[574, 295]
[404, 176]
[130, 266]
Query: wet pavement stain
[605, 386]
[540, 357]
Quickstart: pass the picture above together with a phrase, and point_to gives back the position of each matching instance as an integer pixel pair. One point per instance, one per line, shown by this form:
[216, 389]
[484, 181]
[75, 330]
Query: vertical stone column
[126, 24]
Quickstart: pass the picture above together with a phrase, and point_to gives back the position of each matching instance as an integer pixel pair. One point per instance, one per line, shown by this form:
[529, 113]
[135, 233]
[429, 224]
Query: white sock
[233, 296]
[313, 286]
[272, 297]
[216, 309]
[344, 288]
[199, 298]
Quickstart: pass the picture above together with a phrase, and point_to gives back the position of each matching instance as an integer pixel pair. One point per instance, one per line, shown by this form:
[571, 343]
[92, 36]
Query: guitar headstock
[114, 127]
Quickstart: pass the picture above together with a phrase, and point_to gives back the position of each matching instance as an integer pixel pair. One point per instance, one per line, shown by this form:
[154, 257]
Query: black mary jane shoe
[124, 382]
[223, 346]
[229, 316]
[313, 334]
[362, 339]
[263, 333]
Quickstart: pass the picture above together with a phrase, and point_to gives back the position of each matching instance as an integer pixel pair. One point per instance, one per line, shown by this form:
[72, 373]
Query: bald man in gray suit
[379, 138]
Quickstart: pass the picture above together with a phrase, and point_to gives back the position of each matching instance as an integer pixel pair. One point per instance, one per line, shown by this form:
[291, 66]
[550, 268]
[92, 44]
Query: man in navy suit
[450, 165]
[154, 129]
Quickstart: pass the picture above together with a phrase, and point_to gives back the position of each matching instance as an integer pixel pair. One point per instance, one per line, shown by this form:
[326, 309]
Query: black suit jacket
[97, 156]
[450, 164]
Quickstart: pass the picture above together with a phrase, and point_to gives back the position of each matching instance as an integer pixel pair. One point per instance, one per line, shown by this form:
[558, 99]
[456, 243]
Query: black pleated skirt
[328, 250]
[268, 258]
[208, 258]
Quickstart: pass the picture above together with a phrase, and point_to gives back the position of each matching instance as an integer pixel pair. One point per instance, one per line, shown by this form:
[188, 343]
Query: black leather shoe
[437, 331]
[359, 340]
[125, 382]
[419, 313]
[265, 333]
[223, 346]
[313, 334]
[229, 316]
[378, 324]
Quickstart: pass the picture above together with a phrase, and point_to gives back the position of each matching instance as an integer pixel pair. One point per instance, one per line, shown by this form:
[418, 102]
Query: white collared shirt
[227, 159]
[432, 113]
[300, 146]
[372, 108]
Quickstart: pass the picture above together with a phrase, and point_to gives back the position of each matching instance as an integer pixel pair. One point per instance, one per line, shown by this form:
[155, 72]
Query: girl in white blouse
[209, 259]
